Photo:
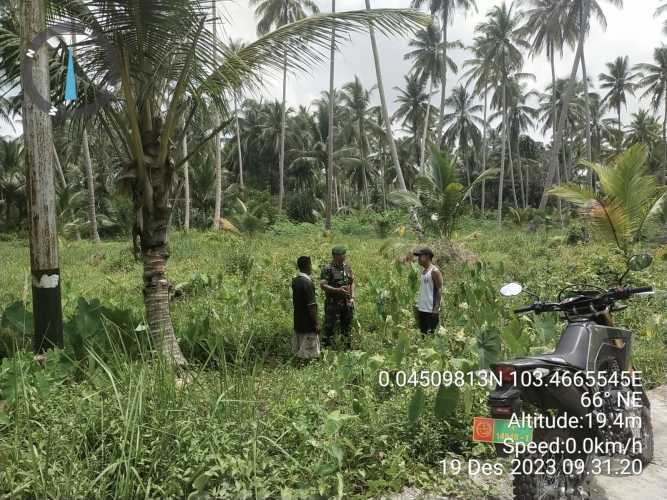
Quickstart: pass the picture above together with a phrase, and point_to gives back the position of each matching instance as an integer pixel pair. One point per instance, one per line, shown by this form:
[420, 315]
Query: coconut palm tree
[629, 198]
[314, 160]
[660, 11]
[427, 56]
[575, 112]
[273, 14]
[503, 44]
[413, 106]
[383, 107]
[618, 82]
[579, 14]
[514, 89]
[90, 185]
[549, 32]
[439, 192]
[522, 118]
[12, 181]
[331, 132]
[601, 128]
[446, 9]
[234, 46]
[479, 74]
[271, 134]
[357, 99]
[6, 113]
[462, 126]
[145, 113]
[643, 129]
[653, 80]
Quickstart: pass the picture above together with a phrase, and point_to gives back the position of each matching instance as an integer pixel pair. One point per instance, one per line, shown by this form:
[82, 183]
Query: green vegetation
[183, 384]
[98, 418]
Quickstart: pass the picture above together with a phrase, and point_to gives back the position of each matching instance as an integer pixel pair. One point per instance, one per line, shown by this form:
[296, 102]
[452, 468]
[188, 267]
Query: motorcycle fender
[505, 396]
[564, 398]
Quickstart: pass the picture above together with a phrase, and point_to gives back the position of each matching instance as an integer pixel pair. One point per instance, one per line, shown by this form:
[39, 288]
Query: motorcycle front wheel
[534, 482]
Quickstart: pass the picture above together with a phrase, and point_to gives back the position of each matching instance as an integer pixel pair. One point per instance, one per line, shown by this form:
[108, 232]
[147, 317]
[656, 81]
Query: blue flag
[70, 85]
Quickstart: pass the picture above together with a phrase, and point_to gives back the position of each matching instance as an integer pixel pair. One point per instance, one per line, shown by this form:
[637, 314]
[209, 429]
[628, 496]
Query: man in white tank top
[430, 292]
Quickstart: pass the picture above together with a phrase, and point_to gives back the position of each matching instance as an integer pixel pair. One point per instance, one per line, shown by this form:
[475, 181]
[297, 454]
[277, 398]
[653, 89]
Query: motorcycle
[586, 388]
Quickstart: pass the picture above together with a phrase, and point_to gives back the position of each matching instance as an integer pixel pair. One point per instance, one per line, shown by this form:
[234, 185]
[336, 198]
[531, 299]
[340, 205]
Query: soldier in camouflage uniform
[337, 282]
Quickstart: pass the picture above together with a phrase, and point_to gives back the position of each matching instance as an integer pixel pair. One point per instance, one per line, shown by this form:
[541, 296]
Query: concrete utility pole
[38, 140]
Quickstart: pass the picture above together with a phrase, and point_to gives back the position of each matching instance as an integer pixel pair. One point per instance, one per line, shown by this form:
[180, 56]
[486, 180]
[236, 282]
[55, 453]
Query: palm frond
[404, 199]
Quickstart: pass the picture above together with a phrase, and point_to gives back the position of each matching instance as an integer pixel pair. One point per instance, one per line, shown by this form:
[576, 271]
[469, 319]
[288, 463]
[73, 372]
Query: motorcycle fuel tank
[586, 345]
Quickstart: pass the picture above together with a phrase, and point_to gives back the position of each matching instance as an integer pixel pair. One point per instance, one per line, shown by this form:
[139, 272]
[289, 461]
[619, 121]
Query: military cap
[339, 250]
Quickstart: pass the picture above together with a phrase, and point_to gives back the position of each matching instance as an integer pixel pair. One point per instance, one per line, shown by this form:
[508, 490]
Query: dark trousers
[427, 322]
[337, 312]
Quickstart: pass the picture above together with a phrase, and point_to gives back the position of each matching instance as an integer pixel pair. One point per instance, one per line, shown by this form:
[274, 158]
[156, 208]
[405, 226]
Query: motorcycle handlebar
[615, 294]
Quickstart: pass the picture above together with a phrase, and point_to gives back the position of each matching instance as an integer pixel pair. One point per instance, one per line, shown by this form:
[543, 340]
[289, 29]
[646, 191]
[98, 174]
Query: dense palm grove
[491, 117]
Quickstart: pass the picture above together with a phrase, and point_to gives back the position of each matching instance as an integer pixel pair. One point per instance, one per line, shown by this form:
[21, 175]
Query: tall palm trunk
[664, 137]
[518, 166]
[558, 180]
[90, 184]
[330, 145]
[484, 140]
[156, 299]
[558, 139]
[443, 94]
[217, 162]
[336, 188]
[153, 223]
[383, 107]
[501, 180]
[364, 158]
[40, 188]
[466, 160]
[382, 180]
[238, 142]
[418, 141]
[422, 155]
[511, 165]
[217, 158]
[59, 168]
[587, 115]
[620, 130]
[555, 153]
[283, 127]
[186, 180]
[527, 185]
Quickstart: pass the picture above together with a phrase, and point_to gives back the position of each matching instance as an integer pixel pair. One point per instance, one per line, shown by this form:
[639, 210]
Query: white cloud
[632, 31]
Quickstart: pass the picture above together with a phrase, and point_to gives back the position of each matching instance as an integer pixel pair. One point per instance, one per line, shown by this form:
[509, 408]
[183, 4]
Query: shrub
[576, 233]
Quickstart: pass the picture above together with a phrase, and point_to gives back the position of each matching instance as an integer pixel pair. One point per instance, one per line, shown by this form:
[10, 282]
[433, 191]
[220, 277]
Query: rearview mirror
[511, 289]
[640, 262]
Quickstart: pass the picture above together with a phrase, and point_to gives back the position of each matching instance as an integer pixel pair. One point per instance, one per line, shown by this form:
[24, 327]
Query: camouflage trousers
[337, 312]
